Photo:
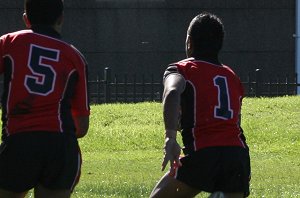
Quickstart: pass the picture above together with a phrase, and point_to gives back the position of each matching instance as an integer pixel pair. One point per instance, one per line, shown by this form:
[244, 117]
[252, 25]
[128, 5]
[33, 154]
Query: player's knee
[220, 194]
[217, 195]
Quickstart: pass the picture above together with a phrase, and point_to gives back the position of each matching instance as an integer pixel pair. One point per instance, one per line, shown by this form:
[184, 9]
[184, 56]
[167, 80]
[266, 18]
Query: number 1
[223, 110]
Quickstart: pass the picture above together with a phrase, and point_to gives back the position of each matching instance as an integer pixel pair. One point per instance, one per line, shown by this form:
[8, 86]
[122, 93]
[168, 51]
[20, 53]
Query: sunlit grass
[122, 152]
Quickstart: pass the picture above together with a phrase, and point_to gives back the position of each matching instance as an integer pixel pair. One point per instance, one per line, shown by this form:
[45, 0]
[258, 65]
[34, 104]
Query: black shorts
[50, 159]
[225, 169]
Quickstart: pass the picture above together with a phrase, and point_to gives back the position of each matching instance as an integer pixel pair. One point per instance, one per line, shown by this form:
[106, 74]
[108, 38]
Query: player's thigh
[226, 195]
[19, 164]
[170, 187]
[42, 192]
[62, 170]
[215, 169]
[235, 176]
[9, 194]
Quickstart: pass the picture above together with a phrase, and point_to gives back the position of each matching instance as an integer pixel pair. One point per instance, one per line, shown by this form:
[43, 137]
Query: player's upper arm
[174, 85]
[173, 80]
[80, 100]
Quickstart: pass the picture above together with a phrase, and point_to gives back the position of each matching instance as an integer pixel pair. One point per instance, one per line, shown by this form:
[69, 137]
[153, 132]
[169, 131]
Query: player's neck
[46, 30]
[212, 58]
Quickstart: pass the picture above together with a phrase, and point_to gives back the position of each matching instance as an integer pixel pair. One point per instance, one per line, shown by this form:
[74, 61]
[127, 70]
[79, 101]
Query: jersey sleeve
[172, 69]
[242, 88]
[80, 101]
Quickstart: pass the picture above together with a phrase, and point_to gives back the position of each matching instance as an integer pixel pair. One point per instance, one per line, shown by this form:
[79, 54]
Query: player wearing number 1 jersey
[206, 96]
[45, 106]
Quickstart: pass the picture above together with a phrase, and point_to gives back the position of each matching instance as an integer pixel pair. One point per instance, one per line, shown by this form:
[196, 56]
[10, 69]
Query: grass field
[122, 152]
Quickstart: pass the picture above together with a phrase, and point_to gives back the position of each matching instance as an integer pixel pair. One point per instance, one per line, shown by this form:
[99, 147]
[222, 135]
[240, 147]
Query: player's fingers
[172, 164]
[177, 161]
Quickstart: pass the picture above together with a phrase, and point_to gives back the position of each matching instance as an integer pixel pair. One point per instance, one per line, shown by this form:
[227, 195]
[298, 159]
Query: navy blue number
[222, 110]
[43, 76]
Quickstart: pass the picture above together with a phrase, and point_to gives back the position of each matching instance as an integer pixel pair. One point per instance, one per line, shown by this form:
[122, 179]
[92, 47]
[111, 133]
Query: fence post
[258, 83]
[116, 88]
[134, 88]
[107, 80]
[98, 88]
[286, 84]
[152, 87]
[297, 85]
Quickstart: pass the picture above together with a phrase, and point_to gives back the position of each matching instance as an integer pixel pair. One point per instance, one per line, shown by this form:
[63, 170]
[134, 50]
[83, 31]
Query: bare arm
[82, 125]
[174, 85]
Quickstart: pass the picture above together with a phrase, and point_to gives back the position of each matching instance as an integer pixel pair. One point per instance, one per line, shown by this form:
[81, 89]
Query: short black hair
[207, 33]
[43, 12]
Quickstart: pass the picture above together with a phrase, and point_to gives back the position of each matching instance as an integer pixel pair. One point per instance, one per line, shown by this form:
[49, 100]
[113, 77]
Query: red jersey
[45, 82]
[210, 105]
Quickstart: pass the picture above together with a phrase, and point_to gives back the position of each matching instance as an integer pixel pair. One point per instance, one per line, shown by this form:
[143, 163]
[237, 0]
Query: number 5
[43, 77]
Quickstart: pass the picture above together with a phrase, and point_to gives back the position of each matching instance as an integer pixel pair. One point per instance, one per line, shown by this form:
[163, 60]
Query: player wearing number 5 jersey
[206, 95]
[45, 106]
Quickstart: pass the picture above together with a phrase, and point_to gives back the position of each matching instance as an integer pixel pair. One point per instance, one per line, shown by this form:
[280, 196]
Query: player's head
[204, 35]
[43, 12]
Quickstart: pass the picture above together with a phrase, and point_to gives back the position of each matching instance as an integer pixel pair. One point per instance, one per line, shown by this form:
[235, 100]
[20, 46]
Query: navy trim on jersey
[188, 117]
[66, 119]
[8, 64]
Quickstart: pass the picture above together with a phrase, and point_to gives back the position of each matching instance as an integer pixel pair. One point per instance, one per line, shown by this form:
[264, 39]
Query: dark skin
[82, 125]
[81, 122]
[174, 85]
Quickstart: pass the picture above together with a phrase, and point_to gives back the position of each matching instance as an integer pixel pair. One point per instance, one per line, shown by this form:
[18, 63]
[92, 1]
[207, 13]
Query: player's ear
[60, 19]
[58, 24]
[188, 46]
[26, 20]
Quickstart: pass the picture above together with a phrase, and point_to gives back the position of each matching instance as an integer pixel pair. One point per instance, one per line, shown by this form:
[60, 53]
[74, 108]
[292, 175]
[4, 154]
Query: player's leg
[226, 195]
[235, 175]
[42, 192]
[9, 194]
[171, 187]
[18, 166]
[62, 168]
[234, 195]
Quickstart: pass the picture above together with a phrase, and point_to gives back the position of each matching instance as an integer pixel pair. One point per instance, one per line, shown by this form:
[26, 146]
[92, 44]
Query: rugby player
[45, 106]
[206, 95]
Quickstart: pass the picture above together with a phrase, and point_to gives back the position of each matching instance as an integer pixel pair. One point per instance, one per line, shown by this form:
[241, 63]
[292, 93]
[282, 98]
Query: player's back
[210, 104]
[40, 72]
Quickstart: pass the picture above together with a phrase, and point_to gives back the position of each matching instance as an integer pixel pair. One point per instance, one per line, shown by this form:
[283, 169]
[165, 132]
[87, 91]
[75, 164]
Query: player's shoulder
[12, 35]
[185, 62]
[176, 65]
[79, 54]
[229, 69]
[230, 73]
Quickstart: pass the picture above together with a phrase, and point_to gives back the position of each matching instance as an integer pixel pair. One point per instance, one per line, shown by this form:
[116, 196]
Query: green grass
[273, 129]
[122, 152]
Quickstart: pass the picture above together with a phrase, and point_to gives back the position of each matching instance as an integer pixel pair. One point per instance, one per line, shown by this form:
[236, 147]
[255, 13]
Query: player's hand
[172, 152]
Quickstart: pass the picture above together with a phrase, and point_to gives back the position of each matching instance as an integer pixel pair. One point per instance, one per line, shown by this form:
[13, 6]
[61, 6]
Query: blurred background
[141, 37]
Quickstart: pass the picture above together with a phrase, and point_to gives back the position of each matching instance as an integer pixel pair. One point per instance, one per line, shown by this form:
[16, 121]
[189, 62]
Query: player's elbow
[82, 126]
[171, 95]
[81, 132]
